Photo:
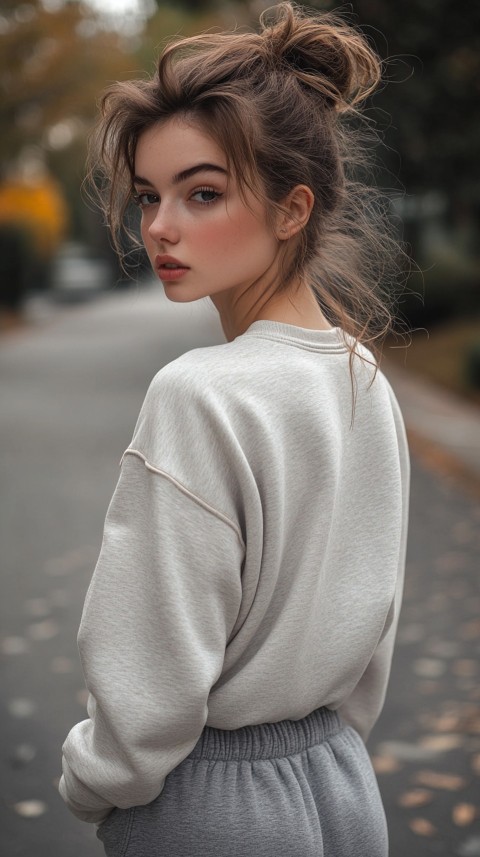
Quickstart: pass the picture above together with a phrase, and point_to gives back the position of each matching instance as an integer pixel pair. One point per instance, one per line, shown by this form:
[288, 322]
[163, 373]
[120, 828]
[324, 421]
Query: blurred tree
[55, 57]
[53, 62]
[33, 222]
[433, 140]
[185, 18]
[434, 95]
[37, 206]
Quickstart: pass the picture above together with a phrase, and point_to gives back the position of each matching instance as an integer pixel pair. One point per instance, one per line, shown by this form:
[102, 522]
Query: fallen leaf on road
[385, 764]
[415, 797]
[429, 687]
[464, 813]
[14, 645]
[422, 827]
[428, 667]
[21, 707]
[465, 668]
[60, 664]
[441, 743]
[443, 648]
[451, 782]
[441, 723]
[406, 751]
[30, 808]
[43, 630]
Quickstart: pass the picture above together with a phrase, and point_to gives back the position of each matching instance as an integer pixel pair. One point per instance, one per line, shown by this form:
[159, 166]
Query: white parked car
[76, 275]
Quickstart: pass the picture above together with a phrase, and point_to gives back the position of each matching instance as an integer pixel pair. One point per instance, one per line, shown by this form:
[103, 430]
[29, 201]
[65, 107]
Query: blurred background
[79, 343]
[56, 57]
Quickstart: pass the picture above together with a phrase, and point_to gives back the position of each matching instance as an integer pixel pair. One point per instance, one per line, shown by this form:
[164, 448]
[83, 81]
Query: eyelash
[138, 197]
[207, 190]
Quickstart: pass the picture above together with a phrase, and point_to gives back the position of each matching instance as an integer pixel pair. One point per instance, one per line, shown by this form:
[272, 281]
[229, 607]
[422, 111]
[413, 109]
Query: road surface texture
[71, 388]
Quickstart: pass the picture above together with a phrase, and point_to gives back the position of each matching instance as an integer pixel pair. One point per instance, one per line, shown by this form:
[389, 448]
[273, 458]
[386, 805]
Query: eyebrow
[186, 174]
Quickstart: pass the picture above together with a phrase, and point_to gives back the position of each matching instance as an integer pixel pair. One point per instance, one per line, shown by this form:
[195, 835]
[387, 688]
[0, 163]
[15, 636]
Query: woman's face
[201, 238]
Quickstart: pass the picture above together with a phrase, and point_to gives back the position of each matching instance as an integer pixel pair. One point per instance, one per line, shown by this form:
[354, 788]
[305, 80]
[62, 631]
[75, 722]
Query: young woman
[238, 631]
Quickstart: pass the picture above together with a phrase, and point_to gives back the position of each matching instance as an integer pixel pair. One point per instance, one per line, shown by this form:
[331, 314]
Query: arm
[364, 705]
[161, 605]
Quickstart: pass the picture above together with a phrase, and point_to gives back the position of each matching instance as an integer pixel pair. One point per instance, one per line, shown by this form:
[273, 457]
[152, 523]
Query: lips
[169, 268]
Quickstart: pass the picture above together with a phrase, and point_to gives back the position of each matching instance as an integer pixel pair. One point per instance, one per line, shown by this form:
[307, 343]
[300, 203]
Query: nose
[164, 226]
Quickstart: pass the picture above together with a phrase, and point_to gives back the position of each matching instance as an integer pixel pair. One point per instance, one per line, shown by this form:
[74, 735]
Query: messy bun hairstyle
[283, 104]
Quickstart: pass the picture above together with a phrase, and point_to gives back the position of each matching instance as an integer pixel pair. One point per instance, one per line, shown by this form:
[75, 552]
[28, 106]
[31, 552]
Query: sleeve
[160, 608]
[363, 707]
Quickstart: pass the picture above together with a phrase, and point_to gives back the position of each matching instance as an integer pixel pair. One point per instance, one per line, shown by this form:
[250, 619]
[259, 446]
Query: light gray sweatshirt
[252, 563]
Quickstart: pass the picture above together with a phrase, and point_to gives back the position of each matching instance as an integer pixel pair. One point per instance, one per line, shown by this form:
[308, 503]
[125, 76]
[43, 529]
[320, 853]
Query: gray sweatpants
[296, 788]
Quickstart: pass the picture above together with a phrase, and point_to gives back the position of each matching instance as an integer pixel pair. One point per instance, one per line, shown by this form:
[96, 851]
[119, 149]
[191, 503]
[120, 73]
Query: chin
[179, 296]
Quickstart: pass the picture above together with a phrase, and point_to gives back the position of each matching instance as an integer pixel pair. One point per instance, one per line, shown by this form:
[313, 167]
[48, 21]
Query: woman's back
[260, 432]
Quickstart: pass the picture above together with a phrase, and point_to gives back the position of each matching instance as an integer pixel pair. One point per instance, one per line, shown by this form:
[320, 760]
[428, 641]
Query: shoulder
[201, 376]
[192, 404]
[188, 428]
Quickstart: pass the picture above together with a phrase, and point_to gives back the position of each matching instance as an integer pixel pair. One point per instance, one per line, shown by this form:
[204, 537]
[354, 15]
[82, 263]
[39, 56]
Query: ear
[298, 208]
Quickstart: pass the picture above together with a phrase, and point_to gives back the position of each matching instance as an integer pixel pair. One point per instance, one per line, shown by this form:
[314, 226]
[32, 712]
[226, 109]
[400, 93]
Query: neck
[298, 306]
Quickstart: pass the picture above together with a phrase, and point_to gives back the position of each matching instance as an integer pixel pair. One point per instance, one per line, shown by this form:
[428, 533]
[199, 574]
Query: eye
[205, 195]
[144, 198]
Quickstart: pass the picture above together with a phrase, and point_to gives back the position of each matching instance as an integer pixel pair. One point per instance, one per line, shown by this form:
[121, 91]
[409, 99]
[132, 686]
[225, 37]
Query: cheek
[215, 236]
[234, 232]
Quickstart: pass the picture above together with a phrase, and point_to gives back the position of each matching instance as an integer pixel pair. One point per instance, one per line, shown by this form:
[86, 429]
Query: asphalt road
[71, 389]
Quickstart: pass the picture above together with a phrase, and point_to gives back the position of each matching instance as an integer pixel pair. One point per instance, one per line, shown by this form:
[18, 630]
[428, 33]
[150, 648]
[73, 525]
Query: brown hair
[284, 106]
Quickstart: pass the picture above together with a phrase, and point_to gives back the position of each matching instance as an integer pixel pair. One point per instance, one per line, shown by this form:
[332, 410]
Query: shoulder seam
[186, 491]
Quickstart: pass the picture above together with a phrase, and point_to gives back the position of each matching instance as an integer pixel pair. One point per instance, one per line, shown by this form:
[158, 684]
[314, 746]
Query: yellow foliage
[39, 208]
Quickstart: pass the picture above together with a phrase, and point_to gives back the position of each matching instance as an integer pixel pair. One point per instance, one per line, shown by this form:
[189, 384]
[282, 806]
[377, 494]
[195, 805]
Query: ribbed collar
[318, 340]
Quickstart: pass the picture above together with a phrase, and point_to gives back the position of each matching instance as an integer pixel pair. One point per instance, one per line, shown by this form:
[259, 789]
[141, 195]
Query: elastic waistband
[267, 740]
